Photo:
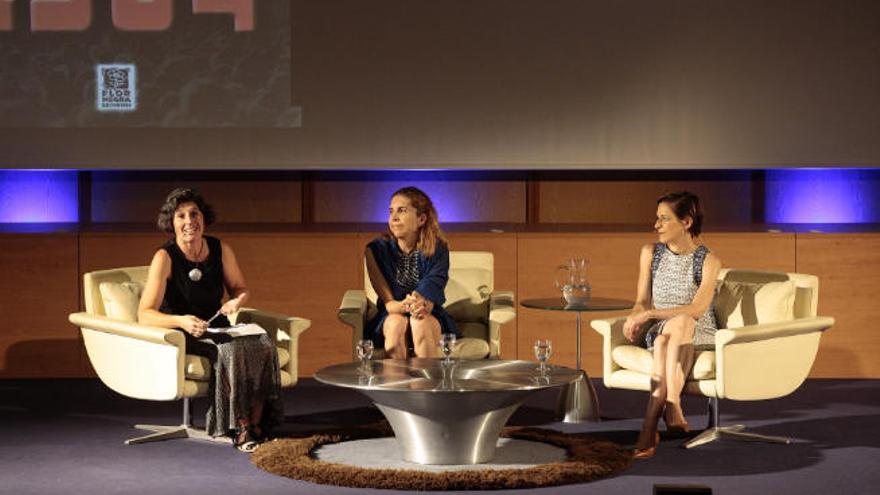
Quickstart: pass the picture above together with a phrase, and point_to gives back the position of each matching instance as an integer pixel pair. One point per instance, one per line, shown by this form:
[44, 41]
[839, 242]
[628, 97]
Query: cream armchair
[767, 341]
[471, 300]
[151, 363]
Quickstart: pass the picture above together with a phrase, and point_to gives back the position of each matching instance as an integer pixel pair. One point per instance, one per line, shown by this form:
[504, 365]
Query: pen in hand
[218, 313]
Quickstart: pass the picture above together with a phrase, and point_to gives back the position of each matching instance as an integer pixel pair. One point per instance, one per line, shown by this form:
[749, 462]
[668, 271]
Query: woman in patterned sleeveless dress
[184, 290]
[409, 267]
[673, 313]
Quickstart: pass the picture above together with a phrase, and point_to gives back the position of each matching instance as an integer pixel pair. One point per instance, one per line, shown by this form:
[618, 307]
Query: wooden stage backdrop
[305, 274]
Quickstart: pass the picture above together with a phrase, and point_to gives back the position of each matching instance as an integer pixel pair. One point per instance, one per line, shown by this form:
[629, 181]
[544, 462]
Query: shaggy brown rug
[588, 459]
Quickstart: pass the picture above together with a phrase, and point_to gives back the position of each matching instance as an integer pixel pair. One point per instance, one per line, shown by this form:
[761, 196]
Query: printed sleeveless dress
[675, 279]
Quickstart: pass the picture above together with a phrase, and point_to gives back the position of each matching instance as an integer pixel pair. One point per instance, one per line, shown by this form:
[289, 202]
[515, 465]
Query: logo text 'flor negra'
[128, 15]
[116, 88]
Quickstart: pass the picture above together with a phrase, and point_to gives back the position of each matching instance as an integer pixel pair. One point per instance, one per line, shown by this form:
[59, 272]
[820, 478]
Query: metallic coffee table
[578, 402]
[446, 414]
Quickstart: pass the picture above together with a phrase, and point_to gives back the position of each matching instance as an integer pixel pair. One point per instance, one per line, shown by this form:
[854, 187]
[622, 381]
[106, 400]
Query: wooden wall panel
[613, 273]
[39, 287]
[459, 200]
[756, 251]
[848, 267]
[304, 275]
[236, 197]
[101, 251]
[631, 198]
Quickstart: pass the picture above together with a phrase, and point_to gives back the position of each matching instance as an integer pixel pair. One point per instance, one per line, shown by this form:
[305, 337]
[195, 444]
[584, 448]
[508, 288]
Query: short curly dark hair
[177, 197]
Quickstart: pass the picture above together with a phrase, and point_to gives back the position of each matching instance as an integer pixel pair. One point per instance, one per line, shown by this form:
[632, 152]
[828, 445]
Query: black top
[186, 297]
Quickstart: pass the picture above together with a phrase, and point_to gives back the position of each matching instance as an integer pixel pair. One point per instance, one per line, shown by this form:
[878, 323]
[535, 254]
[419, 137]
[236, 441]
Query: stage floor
[66, 436]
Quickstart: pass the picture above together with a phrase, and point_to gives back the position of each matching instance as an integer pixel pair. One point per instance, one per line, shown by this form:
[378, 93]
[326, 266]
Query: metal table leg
[577, 401]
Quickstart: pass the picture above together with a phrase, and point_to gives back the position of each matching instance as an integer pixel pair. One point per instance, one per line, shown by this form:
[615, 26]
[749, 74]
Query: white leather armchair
[767, 341]
[471, 299]
[151, 363]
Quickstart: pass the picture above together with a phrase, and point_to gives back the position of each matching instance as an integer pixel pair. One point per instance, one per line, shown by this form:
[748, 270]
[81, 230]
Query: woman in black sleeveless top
[185, 286]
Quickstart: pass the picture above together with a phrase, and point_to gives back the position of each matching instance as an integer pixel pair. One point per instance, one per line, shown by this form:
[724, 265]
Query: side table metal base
[438, 428]
[577, 402]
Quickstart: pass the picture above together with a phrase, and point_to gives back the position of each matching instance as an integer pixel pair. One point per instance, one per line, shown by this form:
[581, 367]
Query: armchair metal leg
[159, 433]
[170, 432]
[716, 432]
[184, 430]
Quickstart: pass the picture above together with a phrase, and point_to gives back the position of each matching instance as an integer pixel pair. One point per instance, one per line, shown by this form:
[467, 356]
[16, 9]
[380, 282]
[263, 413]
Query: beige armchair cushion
[121, 299]
[468, 348]
[739, 304]
[634, 358]
[467, 294]
[197, 368]
[283, 356]
[473, 344]
[630, 357]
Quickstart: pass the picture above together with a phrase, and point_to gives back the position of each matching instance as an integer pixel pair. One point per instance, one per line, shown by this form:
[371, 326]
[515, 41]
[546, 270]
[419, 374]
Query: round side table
[577, 401]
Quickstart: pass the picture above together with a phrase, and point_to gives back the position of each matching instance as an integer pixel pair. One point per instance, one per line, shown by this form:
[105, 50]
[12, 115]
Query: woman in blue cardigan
[409, 267]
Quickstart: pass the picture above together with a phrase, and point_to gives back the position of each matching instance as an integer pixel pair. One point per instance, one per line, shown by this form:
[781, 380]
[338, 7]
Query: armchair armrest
[611, 330]
[501, 311]
[154, 335]
[289, 327]
[135, 360]
[353, 308]
[766, 361]
[287, 330]
[755, 333]
[353, 312]
[501, 308]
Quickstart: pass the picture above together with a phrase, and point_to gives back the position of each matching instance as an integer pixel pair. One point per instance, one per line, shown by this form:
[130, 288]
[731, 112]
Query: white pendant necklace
[195, 274]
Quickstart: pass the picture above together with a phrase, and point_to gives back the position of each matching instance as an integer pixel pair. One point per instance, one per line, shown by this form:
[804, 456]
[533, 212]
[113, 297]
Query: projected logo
[116, 88]
[195, 63]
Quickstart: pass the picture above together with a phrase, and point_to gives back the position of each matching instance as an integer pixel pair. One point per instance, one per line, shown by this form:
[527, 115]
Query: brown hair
[685, 204]
[177, 197]
[429, 233]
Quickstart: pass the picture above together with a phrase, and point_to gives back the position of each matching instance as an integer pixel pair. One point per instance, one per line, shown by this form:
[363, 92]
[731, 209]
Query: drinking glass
[543, 350]
[447, 344]
[364, 351]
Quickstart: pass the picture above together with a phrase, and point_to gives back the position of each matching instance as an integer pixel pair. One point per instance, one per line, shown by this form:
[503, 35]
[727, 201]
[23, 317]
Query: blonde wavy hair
[429, 233]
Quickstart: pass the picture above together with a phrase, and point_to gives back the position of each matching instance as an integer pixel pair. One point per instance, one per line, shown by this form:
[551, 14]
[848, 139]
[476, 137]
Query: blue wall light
[822, 196]
[38, 196]
[445, 193]
[457, 195]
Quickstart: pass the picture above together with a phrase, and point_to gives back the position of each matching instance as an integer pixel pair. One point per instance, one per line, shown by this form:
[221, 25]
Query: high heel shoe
[245, 440]
[647, 452]
[672, 425]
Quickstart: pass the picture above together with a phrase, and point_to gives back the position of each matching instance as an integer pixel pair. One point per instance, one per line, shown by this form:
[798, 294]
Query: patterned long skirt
[245, 375]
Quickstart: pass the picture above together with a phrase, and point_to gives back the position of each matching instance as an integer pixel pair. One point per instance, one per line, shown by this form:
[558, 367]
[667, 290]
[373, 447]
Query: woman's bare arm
[154, 292]
[233, 279]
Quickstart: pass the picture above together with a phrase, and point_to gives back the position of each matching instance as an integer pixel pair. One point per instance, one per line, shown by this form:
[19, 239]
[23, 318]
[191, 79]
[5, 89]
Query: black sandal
[245, 440]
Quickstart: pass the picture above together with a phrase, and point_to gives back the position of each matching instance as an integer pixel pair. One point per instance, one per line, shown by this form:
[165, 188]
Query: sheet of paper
[240, 330]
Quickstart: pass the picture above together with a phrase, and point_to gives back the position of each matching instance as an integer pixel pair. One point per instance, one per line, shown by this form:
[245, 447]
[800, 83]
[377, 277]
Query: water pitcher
[572, 279]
